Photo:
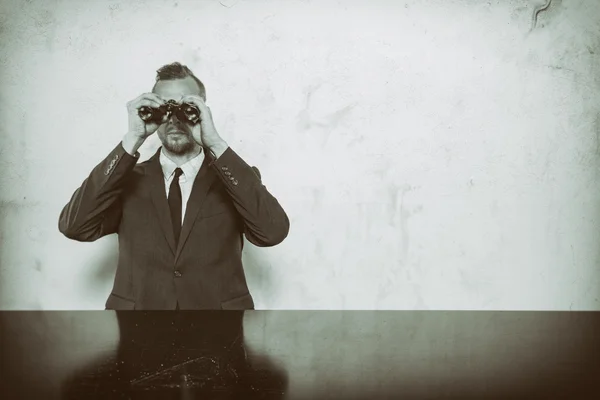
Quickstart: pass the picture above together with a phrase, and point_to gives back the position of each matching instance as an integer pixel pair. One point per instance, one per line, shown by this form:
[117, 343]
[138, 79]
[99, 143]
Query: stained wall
[430, 154]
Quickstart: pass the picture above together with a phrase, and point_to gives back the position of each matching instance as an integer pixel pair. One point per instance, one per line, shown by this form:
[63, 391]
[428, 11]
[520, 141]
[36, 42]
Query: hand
[204, 132]
[138, 128]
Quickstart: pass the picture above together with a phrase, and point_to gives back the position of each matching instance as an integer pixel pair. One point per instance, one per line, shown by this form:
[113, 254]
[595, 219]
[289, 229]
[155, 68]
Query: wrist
[219, 148]
[131, 143]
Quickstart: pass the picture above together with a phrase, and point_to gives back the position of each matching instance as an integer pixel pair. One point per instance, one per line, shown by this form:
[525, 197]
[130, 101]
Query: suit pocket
[217, 203]
[244, 302]
[214, 213]
[116, 302]
[216, 208]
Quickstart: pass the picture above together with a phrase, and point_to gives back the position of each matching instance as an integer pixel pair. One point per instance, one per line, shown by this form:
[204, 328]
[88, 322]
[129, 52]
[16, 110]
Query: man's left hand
[204, 132]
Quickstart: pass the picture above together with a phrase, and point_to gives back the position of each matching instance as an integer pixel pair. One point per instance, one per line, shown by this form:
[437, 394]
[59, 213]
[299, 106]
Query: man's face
[176, 135]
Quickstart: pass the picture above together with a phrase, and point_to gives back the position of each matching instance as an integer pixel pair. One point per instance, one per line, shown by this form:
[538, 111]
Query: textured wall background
[430, 154]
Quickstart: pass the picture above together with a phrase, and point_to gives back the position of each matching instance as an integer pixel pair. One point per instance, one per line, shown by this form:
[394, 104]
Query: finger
[155, 97]
[149, 96]
[197, 100]
[144, 102]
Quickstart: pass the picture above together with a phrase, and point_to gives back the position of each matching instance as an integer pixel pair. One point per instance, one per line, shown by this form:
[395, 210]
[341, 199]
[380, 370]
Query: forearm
[265, 220]
[84, 217]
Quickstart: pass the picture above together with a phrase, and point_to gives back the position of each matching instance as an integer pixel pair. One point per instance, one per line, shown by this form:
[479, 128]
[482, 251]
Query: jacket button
[177, 274]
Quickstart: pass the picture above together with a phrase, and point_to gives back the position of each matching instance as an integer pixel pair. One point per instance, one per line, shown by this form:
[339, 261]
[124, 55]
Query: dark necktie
[175, 204]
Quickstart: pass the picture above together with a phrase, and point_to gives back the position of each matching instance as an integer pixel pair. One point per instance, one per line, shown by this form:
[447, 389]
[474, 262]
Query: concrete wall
[430, 154]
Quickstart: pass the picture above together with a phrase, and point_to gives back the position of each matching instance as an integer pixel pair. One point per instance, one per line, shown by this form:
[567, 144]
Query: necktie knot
[178, 173]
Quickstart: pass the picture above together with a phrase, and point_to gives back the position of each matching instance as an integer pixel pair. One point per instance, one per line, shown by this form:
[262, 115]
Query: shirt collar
[190, 168]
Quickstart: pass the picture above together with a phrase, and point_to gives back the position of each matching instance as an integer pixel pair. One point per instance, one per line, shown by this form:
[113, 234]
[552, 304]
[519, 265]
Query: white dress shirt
[186, 180]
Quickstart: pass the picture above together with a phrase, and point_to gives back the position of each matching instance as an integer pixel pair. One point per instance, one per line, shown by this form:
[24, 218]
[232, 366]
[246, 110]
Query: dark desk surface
[299, 355]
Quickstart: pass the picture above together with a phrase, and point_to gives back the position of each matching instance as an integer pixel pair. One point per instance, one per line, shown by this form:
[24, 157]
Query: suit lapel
[159, 198]
[202, 184]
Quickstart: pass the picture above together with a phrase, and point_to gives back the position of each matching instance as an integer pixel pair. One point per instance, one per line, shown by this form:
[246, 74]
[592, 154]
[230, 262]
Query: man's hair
[178, 71]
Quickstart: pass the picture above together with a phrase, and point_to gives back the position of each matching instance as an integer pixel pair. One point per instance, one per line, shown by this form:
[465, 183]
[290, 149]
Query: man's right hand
[139, 130]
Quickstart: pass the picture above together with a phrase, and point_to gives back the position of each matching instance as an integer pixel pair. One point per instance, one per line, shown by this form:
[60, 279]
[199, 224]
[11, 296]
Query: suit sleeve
[94, 209]
[266, 222]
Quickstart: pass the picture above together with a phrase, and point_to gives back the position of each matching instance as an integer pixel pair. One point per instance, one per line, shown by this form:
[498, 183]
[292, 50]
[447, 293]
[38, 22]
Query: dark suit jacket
[204, 271]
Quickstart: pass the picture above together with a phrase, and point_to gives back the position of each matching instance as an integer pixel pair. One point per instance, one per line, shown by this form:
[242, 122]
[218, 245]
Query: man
[180, 216]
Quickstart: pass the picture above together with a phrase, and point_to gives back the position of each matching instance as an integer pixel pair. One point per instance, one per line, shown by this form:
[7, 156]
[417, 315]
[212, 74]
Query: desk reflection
[158, 355]
[298, 355]
[179, 355]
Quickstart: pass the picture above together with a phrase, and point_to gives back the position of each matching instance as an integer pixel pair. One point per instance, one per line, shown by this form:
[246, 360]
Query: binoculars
[185, 112]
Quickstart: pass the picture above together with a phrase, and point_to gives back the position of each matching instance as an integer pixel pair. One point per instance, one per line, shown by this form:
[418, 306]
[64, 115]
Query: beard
[179, 144]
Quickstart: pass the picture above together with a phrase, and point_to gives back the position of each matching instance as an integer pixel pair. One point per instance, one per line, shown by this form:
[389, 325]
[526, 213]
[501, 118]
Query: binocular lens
[184, 112]
[191, 113]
